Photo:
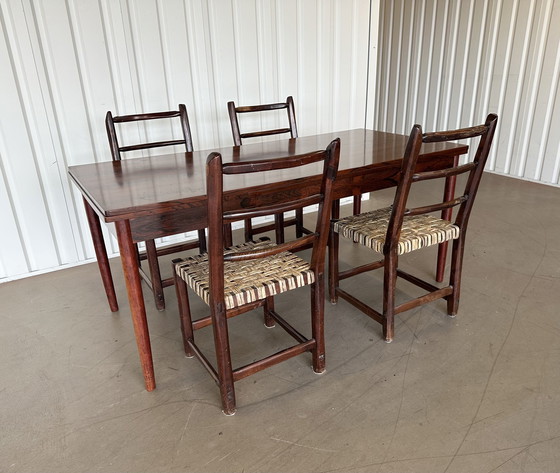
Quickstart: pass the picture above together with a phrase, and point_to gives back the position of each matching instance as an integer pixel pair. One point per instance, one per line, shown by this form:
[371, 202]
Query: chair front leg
[357, 204]
[223, 358]
[279, 227]
[268, 308]
[299, 223]
[248, 229]
[184, 314]
[333, 247]
[318, 323]
[202, 240]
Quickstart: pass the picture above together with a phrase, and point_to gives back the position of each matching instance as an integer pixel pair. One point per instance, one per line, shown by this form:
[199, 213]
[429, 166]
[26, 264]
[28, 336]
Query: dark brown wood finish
[217, 172]
[413, 171]
[153, 278]
[101, 254]
[166, 194]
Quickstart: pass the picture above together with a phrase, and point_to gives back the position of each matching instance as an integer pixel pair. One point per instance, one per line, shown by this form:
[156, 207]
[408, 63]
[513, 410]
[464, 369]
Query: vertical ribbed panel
[448, 64]
[65, 63]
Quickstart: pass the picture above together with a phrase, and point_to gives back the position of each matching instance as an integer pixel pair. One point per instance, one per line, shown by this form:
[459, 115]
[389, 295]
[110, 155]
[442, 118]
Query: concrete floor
[477, 393]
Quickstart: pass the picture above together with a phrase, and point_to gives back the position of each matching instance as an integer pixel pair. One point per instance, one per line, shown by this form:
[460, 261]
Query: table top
[147, 186]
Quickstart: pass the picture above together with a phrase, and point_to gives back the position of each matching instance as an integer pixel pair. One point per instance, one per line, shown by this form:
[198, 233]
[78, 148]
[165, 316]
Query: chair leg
[333, 246]
[357, 204]
[279, 227]
[228, 235]
[184, 314]
[333, 265]
[455, 276]
[268, 308]
[248, 229]
[202, 241]
[299, 223]
[389, 287]
[223, 358]
[318, 323]
[155, 274]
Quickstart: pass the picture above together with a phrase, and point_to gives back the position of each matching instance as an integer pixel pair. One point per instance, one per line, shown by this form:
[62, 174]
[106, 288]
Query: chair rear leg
[184, 314]
[318, 323]
[155, 274]
[389, 287]
[455, 276]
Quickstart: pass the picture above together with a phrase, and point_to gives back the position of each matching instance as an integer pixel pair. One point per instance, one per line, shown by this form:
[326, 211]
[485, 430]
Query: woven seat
[247, 281]
[248, 276]
[419, 231]
[400, 229]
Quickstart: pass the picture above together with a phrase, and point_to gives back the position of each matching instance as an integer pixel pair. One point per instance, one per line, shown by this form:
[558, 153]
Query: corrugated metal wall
[446, 64]
[65, 63]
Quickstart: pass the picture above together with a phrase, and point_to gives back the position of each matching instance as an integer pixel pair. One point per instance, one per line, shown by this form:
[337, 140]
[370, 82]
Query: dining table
[163, 195]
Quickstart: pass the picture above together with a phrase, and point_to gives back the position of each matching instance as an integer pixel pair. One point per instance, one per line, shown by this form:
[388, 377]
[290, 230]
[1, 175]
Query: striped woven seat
[251, 280]
[417, 232]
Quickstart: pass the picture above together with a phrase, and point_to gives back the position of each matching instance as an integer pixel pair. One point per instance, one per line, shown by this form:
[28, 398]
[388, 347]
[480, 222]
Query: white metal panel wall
[65, 63]
[447, 64]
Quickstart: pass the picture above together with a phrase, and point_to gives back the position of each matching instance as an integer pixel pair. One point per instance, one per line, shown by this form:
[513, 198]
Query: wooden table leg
[446, 214]
[136, 301]
[101, 254]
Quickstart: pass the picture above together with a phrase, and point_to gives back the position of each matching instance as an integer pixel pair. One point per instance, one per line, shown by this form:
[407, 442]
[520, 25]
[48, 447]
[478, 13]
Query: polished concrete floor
[475, 393]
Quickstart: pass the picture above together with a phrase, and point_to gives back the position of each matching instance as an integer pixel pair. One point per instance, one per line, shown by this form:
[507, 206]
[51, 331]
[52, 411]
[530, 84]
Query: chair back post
[215, 186]
[214, 182]
[403, 189]
[475, 176]
[234, 124]
[330, 170]
[291, 116]
[185, 127]
[112, 136]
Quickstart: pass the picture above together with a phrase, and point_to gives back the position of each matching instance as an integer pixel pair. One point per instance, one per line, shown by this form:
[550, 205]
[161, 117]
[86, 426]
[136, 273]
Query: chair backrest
[216, 171]
[408, 176]
[288, 105]
[117, 149]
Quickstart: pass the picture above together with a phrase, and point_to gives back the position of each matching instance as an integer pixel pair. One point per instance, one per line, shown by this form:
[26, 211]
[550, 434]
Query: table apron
[348, 183]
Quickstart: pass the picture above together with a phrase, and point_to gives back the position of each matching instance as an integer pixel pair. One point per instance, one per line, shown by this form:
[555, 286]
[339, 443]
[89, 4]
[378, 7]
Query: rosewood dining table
[165, 195]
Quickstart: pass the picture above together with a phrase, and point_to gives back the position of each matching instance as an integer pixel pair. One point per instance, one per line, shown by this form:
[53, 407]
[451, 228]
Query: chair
[154, 279]
[249, 275]
[398, 229]
[279, 222]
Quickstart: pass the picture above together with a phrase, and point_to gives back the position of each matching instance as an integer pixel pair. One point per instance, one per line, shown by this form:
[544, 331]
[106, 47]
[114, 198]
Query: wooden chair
[154, 279]
[248, 276]
[279, 221]
[397, 230]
